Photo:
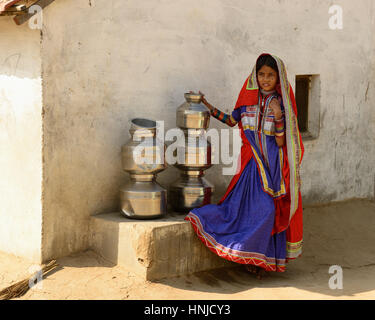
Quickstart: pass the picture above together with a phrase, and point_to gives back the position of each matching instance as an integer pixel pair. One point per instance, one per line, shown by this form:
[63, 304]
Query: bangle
[279, 127]
[279, 130]
[221, 116]
[279, 120]
[279, 134]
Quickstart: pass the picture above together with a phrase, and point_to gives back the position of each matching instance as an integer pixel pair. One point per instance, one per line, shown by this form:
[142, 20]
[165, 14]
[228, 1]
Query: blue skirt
[240, 228]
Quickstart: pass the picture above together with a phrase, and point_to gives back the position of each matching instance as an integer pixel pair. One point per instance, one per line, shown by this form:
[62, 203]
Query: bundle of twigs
[20, 288]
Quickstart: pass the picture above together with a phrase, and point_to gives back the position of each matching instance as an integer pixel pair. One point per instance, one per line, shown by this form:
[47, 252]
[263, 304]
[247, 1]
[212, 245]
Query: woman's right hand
[204, 101]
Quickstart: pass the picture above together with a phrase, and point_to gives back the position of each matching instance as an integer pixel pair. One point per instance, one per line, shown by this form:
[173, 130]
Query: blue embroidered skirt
[239, 229]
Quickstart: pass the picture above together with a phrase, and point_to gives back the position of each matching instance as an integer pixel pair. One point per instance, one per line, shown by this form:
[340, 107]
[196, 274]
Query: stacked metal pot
[191, 189]
[143, 157]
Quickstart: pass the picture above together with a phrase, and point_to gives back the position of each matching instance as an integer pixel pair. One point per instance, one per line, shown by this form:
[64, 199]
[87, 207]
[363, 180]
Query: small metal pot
[192, 114]
[197, 151]
[190, 190]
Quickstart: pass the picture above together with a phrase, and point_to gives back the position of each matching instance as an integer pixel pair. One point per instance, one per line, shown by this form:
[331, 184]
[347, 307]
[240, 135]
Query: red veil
[288, 208]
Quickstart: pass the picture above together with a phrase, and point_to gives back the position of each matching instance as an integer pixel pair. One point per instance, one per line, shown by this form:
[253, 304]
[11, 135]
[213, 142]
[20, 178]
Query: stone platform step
[153, 249]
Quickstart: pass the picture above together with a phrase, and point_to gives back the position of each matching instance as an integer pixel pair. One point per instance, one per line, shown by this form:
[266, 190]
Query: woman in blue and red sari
[258, 221]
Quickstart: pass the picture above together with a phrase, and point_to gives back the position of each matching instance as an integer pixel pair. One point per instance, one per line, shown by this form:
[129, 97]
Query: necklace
[266, 93]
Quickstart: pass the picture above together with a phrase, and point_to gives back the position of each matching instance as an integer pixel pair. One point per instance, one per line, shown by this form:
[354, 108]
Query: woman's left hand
[276, 108]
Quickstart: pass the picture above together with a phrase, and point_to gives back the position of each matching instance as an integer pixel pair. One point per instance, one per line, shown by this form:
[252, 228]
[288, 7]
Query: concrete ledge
[154, 249]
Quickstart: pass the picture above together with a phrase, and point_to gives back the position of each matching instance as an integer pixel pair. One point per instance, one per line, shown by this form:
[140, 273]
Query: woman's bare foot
[251, 268]
[260, 272]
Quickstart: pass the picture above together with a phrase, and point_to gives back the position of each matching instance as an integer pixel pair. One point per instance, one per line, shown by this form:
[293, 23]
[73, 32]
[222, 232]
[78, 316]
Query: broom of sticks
[20, 288]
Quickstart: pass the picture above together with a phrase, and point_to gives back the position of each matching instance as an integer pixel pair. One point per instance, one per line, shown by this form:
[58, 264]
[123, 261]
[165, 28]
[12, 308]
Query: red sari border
[241, 257]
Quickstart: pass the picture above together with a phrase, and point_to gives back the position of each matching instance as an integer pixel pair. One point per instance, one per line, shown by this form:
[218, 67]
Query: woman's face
[267, 78]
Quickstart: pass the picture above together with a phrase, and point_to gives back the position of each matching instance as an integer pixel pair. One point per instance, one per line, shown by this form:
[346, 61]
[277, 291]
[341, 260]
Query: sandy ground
[338, 234]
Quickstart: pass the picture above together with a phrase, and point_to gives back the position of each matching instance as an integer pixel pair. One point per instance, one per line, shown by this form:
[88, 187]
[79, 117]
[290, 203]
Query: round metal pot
[192, 114]
[190, 190]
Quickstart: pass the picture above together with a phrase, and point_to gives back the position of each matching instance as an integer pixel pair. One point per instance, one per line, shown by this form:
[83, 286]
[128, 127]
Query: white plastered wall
[20, 140]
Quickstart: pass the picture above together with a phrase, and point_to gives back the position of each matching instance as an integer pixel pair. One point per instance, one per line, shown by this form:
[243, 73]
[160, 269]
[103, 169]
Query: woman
[258, 222]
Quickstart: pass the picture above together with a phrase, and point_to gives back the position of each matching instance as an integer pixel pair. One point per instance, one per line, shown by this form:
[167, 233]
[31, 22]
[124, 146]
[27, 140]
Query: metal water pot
[143, 157]
[196, 151]
[190, 190]
[192, 114]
